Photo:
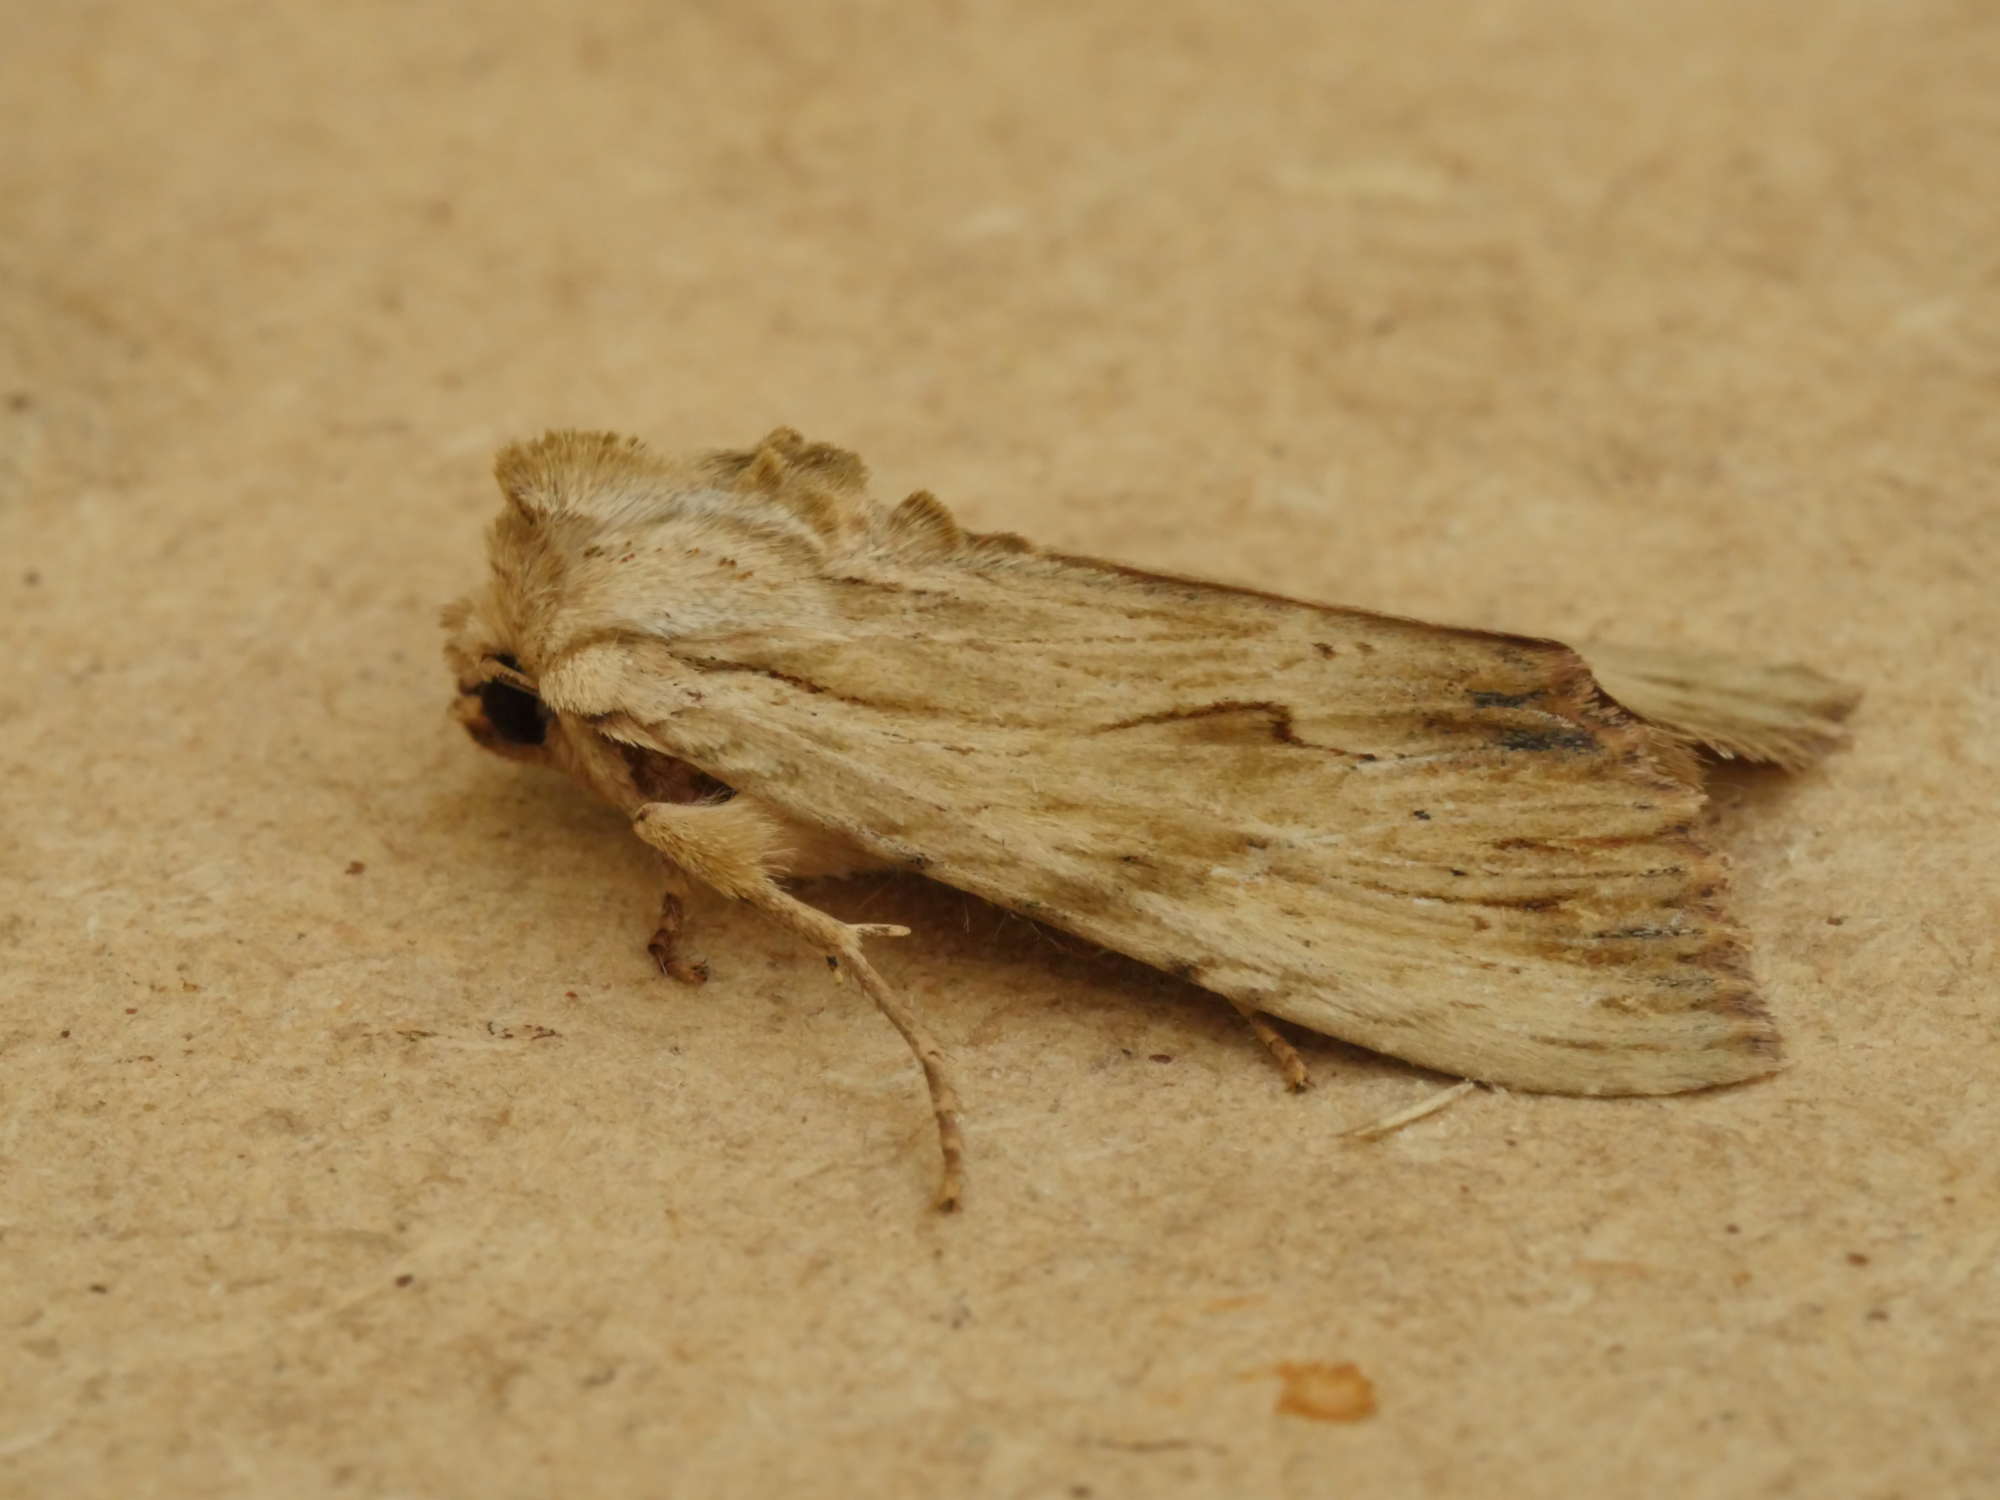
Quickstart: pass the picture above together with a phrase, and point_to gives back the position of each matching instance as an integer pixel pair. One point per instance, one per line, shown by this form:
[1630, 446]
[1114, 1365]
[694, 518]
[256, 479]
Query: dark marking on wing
[1601, 841]
[1277, 716]
[804, 684]
[1528, 903]
[1582, 1044]
[885, 585]
[1547, 740]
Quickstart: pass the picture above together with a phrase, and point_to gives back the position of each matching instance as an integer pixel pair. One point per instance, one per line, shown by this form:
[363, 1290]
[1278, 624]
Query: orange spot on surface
[1326, 1393]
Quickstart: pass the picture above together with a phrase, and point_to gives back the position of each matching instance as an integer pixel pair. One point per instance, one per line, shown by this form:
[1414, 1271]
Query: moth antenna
[923, 527]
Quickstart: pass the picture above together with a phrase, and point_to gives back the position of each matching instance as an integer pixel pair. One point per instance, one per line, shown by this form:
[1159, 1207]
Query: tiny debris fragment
[1374, 1130]
[1326, 1393]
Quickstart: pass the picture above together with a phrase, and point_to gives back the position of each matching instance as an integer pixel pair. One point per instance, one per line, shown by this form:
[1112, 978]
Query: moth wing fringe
[1787, 715]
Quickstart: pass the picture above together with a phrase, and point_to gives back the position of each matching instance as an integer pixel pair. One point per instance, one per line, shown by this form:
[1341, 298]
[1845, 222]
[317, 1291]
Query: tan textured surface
[349, 1143]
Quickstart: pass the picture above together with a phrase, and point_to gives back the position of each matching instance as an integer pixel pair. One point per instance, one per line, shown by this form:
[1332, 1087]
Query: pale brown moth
[1478, 852]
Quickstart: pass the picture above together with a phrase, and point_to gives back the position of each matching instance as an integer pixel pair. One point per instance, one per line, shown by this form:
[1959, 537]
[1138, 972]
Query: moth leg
[1297, 1079]
[732, 847]
[665, 944]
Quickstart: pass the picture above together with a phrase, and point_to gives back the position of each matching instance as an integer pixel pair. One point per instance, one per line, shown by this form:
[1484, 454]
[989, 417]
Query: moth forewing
[1452, 846]
[1518, 896]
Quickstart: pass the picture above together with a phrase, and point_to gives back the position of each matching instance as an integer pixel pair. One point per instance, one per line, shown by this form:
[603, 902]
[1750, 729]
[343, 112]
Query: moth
[1479, 852]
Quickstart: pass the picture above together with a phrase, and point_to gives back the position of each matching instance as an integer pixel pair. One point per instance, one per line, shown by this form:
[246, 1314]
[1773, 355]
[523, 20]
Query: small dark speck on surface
[1161, 1057]
[98, 1286]
[31, 577]
[355, 867]
[1836, 921]
[1420, 815]
[405, 1279]
[1856, 1258]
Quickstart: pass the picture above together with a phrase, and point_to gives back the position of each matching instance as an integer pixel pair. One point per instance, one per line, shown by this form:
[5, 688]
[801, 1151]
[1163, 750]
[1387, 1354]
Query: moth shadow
[537, 828]
[959, 934]
[1743, 795]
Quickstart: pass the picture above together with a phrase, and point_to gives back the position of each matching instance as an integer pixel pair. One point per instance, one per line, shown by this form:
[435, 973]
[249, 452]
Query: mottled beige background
[351, 1145]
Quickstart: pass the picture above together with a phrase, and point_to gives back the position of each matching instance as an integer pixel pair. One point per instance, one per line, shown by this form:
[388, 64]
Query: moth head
[497, 701]
[503, 713]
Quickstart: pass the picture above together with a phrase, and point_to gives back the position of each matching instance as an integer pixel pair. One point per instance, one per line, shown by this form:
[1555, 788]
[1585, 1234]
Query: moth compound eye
[516, 716]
